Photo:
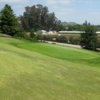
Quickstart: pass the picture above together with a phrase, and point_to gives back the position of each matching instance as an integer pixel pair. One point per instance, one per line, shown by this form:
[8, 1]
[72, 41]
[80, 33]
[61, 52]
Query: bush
[62, 39]
[56, 38]
[98, 44]
[73, 40]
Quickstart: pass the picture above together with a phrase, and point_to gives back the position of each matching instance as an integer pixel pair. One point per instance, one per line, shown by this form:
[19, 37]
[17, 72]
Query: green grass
[39, 71]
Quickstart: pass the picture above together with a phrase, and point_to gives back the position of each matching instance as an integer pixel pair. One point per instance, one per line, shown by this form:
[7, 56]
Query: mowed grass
[39, 71]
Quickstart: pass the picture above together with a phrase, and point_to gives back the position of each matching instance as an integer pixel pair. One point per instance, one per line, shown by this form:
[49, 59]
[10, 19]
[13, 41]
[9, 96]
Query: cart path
[64, 44]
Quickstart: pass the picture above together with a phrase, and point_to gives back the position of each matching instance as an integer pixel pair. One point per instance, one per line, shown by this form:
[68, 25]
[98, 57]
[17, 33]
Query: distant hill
[69, 23]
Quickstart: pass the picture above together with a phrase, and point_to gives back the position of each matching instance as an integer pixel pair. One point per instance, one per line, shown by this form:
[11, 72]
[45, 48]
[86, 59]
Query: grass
[39, 71]
[60, 52]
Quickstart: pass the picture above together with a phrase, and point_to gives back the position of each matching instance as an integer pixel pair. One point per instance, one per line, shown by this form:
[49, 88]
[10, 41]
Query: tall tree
[88, 37]
[9, 23]
[38, 17]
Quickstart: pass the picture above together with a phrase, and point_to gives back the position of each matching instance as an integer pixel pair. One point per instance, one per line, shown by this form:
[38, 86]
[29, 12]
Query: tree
[9, 23]
[88, 37]
[37, 17]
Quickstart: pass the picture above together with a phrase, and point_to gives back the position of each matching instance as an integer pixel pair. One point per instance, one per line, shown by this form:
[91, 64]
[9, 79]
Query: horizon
[67, 10]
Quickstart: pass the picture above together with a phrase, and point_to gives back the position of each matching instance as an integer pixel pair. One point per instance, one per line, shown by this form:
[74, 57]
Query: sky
[66, 10]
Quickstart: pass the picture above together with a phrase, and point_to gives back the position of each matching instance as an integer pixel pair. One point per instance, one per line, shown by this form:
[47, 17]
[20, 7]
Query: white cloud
[11, 1]
[59, 1]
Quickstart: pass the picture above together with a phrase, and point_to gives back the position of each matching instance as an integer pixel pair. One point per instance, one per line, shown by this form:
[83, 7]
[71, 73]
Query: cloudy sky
[66, 10]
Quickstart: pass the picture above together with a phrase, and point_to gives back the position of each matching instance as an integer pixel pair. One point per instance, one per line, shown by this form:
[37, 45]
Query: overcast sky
[66, 10]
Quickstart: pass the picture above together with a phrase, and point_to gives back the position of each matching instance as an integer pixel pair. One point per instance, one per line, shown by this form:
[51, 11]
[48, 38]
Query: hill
[40, 71]
[69, 23]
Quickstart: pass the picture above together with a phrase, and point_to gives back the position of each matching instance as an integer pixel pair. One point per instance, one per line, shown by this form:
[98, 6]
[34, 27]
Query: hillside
[40, 71]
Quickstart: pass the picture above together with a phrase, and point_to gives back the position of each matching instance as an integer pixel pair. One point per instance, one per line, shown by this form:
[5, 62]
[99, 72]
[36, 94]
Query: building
[42, 32]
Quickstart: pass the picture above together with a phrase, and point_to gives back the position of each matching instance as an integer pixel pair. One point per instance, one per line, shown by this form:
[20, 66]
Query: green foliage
[8, 23]
[76, 27]
[89, 37]
[56, 38]
[37, 17]
[62, 39]
[73, 40]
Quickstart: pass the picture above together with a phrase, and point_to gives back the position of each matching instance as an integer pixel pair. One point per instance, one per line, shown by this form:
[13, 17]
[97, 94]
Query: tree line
[33, 19]
[38, 17]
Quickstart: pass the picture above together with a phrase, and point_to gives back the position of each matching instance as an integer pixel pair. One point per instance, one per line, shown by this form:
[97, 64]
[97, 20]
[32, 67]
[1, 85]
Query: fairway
[40, 71]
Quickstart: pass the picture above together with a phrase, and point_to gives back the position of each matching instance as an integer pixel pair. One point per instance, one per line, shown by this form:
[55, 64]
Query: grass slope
[36, 71]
